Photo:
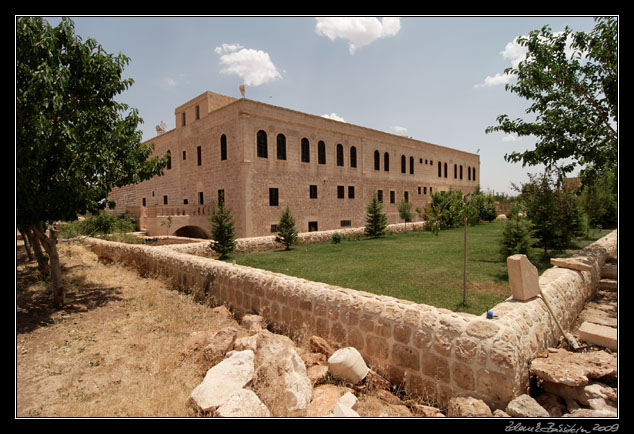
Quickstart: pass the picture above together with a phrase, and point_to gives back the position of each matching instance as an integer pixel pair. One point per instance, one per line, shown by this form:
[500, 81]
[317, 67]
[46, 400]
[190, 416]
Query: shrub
[222, 231]
[287, 233]
[336, 238]
[516, 237]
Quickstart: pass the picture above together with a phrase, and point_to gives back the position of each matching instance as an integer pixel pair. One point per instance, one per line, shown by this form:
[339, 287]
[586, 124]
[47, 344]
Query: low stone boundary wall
[433, 352]
[259, 244]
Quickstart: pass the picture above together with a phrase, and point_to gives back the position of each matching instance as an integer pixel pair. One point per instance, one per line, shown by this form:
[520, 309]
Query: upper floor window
[353, 156]
[403, 164]
[377, 160]
[262, 144]
[184, 119]
[197, 112]
[439, 169]
[445, 170]
[321, 152]
[199, 155]
[281, 147]
[473, 177]
[386, 162]
[339, 155]
[411, 165]
[169, 159]
[223, 147]
[305, 150]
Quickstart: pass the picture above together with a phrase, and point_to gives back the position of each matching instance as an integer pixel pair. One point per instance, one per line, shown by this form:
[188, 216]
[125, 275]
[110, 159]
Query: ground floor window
[312, 227]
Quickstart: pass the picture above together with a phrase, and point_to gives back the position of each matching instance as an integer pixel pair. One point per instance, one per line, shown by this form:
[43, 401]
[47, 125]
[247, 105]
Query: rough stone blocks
[523, 277]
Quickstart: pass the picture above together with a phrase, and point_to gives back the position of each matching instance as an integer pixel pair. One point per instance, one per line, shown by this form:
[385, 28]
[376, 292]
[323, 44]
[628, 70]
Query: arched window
[469, 173]
[340, 155]
[377, 160]
[262, 144]
[461, 171]
[223, 147]
[445, 170]
[321, 152]
[403, 164]
[473, 177]
[305, 150]
[439, 169]
[411, 165]
[353, 156]
[281, 147]
[169, 159]
[386, 162]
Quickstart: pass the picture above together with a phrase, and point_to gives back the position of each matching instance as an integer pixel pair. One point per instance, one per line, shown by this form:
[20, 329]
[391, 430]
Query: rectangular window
[313, 192]
[197, 112]
[424, 190]
[274, 199]
[164, 200]
[419, 189]
[185, 201]
[221, 196]
[392, 196]
[406, 196]
[312, 227]
[143, 201]
[184, 155]
[340, 192]
[201, 200]
[350, 192]
[379, 195]
[345, 223]
[274, 229]
[199, 155]
[184, 119]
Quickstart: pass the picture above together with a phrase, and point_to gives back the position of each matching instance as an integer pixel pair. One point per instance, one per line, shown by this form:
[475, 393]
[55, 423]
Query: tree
[74, 141]
[555, 213]
[287, 233]
[454, 207]
[572, 80]
[375, 220]
[222, 231]
[405, 211]
[516, 237]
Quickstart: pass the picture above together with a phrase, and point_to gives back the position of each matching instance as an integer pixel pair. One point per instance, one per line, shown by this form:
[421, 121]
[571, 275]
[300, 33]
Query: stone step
[608, 284]
[599, 335]
[609, 271]
[598, 317]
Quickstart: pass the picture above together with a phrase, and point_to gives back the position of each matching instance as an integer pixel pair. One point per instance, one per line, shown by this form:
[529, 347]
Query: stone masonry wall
[433, 352]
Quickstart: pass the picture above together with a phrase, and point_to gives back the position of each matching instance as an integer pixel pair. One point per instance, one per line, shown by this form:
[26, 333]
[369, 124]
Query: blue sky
[436, 79]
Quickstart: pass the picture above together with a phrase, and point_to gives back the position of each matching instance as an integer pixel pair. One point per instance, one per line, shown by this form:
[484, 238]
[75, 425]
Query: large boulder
[222, 380]
[468, 407]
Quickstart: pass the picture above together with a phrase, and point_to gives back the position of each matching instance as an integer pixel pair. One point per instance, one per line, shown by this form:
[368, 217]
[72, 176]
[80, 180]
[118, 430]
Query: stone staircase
[597, 323]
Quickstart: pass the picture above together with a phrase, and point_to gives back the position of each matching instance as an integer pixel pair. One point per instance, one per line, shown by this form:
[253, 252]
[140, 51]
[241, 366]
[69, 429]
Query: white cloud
[358, 31]
[509, 138]
[334, 117]
[399, 130]
[495, 80]
[253, 66]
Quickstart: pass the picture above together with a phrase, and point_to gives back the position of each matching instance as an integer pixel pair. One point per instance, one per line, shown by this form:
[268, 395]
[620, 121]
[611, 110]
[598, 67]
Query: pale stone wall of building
[246, 178]
[432, 352]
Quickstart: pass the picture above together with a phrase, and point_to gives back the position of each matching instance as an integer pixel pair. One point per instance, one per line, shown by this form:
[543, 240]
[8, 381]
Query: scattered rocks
[574, 369]
[468, 407]
[525, 406]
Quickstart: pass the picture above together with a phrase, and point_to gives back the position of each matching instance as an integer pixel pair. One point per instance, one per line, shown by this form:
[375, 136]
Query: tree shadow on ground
[34, 298]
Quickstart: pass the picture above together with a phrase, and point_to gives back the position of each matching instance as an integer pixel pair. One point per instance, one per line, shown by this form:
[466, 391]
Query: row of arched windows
[386, 162]
[280, 142]
[457, 171]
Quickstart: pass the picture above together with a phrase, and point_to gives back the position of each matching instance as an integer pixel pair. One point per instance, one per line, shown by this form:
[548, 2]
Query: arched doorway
[192, 232]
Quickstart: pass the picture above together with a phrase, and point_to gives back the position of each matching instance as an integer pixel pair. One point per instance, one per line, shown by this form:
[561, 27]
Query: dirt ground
[120, 346]
[117, 349]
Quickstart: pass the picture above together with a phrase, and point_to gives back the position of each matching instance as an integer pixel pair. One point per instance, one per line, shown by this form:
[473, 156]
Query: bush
[287, 233]
[103, 223]
[336, 238]
[516, 237]
[375, 220]
[222, 231]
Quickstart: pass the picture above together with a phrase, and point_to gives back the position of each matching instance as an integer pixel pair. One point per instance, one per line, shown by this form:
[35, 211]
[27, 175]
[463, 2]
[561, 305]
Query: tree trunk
[464, 266]
[50, 245]
[42, 262]
[27, 245]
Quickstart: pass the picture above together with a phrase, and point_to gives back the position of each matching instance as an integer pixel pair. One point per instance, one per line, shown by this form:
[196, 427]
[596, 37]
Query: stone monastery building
[260, 158]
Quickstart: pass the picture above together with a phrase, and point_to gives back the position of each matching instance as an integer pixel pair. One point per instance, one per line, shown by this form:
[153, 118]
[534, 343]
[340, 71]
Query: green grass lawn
[416, 266]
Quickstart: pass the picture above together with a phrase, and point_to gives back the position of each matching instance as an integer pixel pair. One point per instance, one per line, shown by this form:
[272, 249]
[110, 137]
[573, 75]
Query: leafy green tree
[599, 201]
[222, 231]
[516, 237]
[405, 211]
[571, 79]
[555, 213]
[74, 141]
[375, 220]
[287, 233]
